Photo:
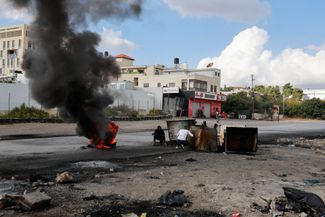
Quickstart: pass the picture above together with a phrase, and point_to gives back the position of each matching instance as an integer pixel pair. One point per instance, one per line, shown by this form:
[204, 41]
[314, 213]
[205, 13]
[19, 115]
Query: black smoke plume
[64, 68]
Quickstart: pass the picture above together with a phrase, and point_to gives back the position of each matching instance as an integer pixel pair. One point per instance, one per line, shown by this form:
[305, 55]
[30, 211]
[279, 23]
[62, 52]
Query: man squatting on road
[182, 138]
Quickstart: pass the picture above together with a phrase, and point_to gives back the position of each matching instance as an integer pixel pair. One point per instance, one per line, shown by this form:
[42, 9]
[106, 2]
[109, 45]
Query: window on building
[215, 89]
[184, 84]
[141, 71]
[13, 43]
[172, 84]
[18, 62]
[158, 84]
[3, 63]
[0, 71]
[156, 72]
[145, 84]
[8, 63]
[29, 45]
[211, 88]
[4, 45]
[19, 43]
[8, 44]
[191, 84]
[198, 85]
[1, 53]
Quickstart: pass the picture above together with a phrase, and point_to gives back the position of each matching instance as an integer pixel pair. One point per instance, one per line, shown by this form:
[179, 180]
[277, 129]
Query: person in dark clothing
[159, 134]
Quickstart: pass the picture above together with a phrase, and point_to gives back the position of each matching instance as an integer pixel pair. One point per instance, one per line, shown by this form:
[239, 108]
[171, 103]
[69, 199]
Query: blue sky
[278, 41]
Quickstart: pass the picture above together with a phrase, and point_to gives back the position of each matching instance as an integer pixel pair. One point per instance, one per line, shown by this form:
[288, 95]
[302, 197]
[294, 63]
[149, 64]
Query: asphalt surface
[33, 154]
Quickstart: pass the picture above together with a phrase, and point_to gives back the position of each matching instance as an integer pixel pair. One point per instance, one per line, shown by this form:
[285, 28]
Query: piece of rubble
[9, 202]
[35, 200]
[303, 214]
[302, 201]
[64, 177]
[175, 198]
[130, 215]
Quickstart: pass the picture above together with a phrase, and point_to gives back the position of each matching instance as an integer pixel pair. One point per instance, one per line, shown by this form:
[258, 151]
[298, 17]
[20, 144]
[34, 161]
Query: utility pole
[253, 96]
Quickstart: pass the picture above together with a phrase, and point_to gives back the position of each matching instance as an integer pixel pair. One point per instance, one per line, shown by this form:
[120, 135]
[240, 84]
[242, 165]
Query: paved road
[18, 156]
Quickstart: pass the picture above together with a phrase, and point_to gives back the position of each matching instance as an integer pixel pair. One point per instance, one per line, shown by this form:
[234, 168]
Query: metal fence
[14, 95]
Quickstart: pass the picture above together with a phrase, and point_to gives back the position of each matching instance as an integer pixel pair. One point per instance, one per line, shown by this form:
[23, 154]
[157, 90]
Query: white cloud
[247, 11]
[7, 11]
[247, 55]
[113, 42]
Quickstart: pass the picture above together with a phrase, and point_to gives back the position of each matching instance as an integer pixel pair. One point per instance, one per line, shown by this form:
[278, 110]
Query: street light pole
[253, 97]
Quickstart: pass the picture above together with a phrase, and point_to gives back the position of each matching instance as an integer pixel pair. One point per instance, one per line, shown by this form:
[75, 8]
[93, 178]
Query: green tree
[239, 103]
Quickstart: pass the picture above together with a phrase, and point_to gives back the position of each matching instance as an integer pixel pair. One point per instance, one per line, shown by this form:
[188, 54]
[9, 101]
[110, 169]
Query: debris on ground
[307, 202]
[236, 214]
[152, 177]
[314, 182]
[113, 197]
[146, 209]
[190, 160]
[302, 142]
[35, 200]
[9, 202]
[175, 198]
[64, 177]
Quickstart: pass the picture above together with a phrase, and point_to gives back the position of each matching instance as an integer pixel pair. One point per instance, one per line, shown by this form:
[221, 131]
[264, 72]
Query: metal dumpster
[205, 139]
[241, 139]
[174, 126]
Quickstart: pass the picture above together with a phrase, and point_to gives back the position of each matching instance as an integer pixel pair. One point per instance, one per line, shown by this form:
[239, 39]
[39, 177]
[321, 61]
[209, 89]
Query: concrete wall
[139, 99]
[13, 95]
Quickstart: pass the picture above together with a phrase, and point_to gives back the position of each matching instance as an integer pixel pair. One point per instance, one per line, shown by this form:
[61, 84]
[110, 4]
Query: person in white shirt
[182, 138]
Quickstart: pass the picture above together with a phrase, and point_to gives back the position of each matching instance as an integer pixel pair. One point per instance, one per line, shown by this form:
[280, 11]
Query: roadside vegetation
[125, 111]
[25, 112]
[266, 98]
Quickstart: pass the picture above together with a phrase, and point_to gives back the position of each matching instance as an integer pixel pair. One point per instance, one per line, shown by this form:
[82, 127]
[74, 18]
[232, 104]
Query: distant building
[236, 90]
[313, 93]
[13, 44]
[185, 91]
[142, 100]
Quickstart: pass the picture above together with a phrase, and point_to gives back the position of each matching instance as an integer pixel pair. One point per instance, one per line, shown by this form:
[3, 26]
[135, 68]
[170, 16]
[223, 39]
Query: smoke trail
[65, 70]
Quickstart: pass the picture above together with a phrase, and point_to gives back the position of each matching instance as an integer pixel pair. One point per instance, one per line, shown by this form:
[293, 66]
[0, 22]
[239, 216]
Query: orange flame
[109, 142]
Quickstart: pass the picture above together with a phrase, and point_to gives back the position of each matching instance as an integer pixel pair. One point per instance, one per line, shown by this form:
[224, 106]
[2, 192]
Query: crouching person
[182, 138]
[159, 135]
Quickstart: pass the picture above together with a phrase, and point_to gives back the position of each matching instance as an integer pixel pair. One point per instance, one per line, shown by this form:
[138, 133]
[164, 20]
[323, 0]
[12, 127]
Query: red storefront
[205, 103]
[191, 103]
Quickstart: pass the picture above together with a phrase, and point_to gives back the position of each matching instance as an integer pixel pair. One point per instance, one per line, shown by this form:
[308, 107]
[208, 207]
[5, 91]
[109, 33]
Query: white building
[185, 91]
[314, 93]
[13, 44]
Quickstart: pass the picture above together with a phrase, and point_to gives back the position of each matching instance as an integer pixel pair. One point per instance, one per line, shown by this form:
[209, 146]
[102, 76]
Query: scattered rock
[152, 177]
[190, 160]
[35, 200]
[199, 185]
[226, 189]
[64, 177]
